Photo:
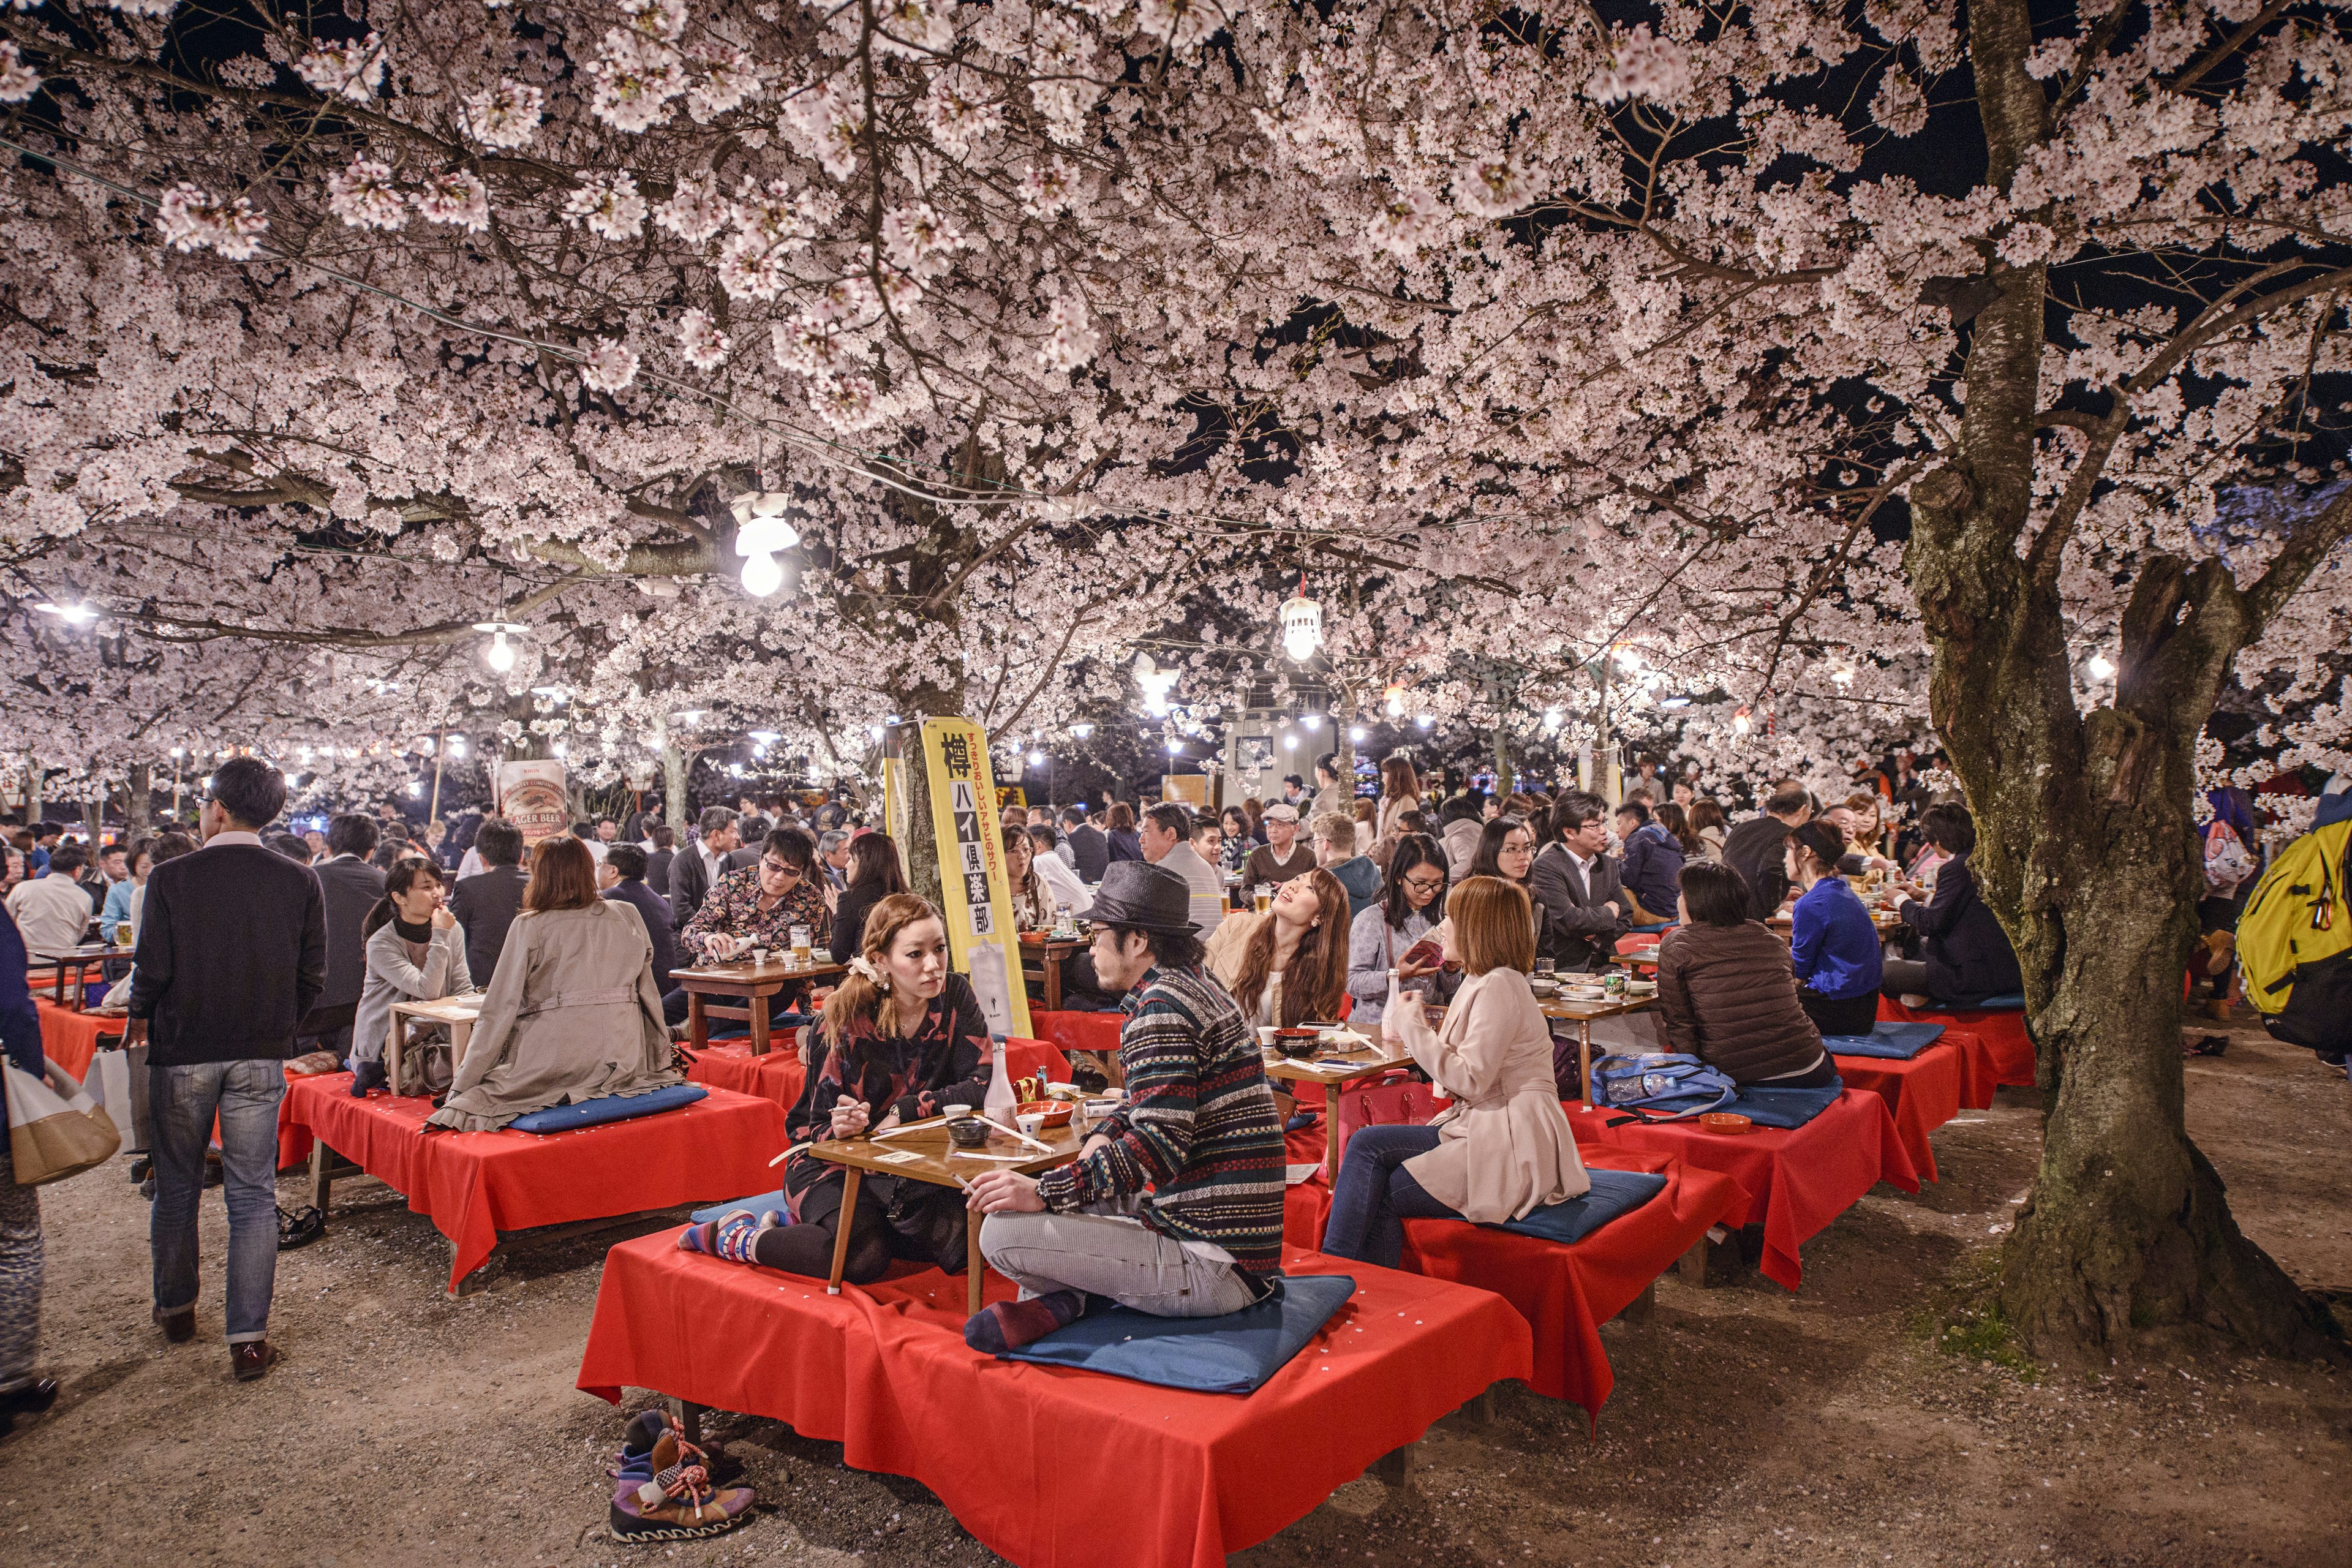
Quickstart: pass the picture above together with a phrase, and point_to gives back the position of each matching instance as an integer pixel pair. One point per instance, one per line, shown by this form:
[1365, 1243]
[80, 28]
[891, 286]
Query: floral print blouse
[946, 1062]
[732, 908]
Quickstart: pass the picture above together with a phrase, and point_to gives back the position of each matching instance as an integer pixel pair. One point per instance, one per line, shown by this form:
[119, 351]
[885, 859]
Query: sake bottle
[1001, 1107]
[1389, 1035]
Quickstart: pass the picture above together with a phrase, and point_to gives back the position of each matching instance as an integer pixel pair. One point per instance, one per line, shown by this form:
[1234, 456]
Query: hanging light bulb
[1082, 730]
[500, 654]
[1356, 733]
[1551, 721]
[1175, 747]
[1156, 683]
[1394, 697]
[2101, 667]
[1426, 719]
[1313, 720]
[1739, 721]
[761, 530]
[1037, 759]
[457, 747]
[1302, 624]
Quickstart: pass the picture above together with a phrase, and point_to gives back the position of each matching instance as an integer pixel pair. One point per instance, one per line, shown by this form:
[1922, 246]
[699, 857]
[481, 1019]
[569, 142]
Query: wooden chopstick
[909, 1127]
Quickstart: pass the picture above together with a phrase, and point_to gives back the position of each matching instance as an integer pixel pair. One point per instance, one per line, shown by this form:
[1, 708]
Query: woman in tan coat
[573, 1013]
[1505, 1148]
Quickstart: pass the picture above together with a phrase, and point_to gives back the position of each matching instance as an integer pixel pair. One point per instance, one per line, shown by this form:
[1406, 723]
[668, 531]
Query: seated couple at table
[758, 906]
[1173, 1206]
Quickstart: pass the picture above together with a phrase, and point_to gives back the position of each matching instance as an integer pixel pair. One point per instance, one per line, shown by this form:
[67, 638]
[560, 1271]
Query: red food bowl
[1725, 1121]
[1056, 1112]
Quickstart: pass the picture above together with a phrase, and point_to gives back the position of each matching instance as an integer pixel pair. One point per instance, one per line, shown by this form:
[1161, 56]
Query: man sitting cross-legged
[1174, 1204]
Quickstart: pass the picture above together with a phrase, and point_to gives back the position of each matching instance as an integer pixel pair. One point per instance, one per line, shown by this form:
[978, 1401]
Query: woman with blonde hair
[1504, 1149]
[902, 1038]
[1302, 938]
[572, 1013]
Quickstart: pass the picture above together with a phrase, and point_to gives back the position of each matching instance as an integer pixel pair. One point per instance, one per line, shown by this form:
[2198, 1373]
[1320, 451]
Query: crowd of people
[1321, 905]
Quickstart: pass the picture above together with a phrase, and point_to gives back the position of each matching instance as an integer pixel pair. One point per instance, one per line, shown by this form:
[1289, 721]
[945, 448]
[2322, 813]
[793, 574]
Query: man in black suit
[232, 955]
[351, 886]
[1579, 901]
[623, 878]
[485, 904]
[698, 865]
[1757, 849]
[1088, 847]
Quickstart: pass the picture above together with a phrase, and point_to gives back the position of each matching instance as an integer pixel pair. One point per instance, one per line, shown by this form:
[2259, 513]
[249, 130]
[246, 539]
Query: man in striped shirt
[1174, 1204]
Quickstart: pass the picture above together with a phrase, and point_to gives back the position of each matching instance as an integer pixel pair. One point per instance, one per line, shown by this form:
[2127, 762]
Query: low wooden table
[940, 1163]
[750, 983]
[1041, 960]
[1334, 1072]
[1582, 1014]
[79, 963]
[456, 1013]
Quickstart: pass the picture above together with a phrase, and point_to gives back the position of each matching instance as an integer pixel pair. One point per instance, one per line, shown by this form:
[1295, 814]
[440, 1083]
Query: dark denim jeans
[1375, 1195]
[184, 1100]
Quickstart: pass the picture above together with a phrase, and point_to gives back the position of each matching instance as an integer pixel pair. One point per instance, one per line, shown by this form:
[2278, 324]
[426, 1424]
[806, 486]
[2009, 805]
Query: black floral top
[732, 908]
[946, 1062]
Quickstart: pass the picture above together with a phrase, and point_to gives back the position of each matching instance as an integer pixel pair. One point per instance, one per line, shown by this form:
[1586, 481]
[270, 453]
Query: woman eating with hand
[1302, 938]
[1504, 1149]
[902, 1038]
[1383, 936]
[415, 953]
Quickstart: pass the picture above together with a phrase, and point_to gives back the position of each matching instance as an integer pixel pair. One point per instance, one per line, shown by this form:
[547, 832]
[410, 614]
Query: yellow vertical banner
[983, 939]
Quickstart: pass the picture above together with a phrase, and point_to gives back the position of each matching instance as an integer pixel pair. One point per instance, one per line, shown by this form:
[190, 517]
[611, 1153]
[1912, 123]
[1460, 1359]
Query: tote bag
[55, 1130]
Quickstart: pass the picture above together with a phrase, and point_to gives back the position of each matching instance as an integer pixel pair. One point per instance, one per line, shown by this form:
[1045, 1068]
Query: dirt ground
[1748, 1425]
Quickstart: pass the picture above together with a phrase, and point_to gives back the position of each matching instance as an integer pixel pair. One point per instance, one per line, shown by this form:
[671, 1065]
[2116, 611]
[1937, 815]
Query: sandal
[664, 1491]
[300, 1229]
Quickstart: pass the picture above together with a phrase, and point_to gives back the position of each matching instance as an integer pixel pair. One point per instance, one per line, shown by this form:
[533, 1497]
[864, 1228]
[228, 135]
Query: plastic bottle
[1001, 1107]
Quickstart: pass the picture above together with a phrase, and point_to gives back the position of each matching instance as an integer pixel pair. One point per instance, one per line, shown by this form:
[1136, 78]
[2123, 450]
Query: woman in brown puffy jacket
[1728, 991]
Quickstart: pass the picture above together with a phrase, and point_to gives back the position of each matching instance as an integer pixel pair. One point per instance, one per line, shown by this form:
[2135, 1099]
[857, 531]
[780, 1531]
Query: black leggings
[806, 1247]
[1845, 1015]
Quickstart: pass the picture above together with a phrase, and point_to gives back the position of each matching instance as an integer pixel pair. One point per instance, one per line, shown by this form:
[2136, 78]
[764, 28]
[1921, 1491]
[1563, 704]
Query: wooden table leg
[1332, 1135]
[1053, 966]
[1584, 1059]
[974, 1267]
[759, 1011]
[321, 1184]
[849, 1179]
[393, 1042]
[697, 1023]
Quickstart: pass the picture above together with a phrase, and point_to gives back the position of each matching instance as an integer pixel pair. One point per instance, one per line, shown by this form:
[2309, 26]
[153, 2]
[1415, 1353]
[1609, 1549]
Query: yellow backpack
[2294, 942]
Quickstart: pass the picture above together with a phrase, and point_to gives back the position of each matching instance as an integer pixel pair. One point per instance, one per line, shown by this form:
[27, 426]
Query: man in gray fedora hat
[1174, 1204]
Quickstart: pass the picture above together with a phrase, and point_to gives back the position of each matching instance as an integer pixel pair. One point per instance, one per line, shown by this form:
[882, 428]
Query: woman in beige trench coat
[1505, 1148]
[572, 1013]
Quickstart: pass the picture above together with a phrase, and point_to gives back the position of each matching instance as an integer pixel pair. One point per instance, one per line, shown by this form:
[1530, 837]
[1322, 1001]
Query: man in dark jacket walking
[1088, 847]
[350, 887]
[486, 903]
[1758, 849]
[232, 955]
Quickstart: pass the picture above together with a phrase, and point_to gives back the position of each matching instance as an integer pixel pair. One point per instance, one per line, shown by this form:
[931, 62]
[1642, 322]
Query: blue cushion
[1765, 1106]
[1614, 1192]
[1898, 1042]
[611, 1107]
[759, 1205]
[2007, 1002]
[1232, 1354]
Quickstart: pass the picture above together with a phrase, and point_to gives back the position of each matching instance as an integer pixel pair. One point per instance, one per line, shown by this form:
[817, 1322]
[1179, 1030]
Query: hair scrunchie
[862, 966]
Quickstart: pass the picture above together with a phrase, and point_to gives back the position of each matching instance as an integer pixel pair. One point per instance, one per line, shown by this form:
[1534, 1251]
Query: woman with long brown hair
[572, 1013]
[1033, 907]
[1302, 938]
[1399, 792]
[902, 1038]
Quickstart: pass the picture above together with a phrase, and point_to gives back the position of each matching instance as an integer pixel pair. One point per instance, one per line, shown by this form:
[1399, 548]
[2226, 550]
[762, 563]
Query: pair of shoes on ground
[2206, 1045]
[731, 1236]
[247, 1359]
[662, 1488]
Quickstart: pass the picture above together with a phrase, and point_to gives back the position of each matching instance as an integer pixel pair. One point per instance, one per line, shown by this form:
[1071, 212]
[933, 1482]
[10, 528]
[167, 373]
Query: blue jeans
[1375, 1195]
[182, 1102]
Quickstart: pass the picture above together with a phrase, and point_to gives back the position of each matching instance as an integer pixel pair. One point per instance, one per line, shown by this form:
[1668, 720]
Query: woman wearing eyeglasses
[760, 905]
[1411, 904]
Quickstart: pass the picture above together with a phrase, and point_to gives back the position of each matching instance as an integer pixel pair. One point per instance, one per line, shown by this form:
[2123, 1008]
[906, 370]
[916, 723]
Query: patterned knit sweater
[1198, 1128]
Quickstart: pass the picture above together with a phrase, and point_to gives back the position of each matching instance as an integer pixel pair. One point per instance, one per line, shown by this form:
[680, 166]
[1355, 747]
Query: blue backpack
[1618, 1083]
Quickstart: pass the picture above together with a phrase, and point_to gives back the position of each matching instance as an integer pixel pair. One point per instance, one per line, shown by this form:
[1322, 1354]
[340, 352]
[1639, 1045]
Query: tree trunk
[1503, 780]
[2086, 847]
[138, 801]
[675, 763]
[32, 792]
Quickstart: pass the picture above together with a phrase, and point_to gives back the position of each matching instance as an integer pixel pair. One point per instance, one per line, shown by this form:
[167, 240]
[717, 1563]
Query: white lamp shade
[1302, 628]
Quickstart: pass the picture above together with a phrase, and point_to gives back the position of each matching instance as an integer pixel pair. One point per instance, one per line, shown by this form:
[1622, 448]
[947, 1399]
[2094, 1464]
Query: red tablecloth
[1796, 1180]
[780, 1077]
[473, 1185]
[1922, 1093]
[1050, 1466]
[2003, 1052]
[69, 1039]
[1077, 1031]
[1567, 1291]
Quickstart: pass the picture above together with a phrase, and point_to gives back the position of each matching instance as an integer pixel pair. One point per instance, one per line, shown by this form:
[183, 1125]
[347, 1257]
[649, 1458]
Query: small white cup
[759, 955]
